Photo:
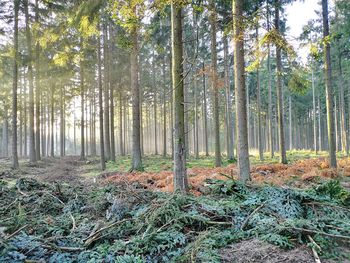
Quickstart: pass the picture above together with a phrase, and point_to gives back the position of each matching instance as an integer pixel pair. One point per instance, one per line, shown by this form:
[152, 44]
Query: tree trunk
[260, 138]
[270, 117]
[180, 175]
[205, 114]
[121, 140]
[61, 123]
[329, 88]
[82, 94]
[345, 147]
[15, 164]
[230, 127]
[106, 93]
[212, 20]
[32, 154]
[283, 157]
[100, 105]
[164, 110]
[155, 106]
[240, 93]
[196, 139]
[37, 87]
[314, 113]
[290, 124]
[135, 92]
[52, 119]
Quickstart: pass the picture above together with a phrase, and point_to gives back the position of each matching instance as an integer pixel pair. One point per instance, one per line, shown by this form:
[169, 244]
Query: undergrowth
[59, 223]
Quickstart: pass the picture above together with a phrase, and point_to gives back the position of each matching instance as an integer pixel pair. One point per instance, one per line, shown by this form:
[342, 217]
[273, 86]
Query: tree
[283, 155]
[32, 154]
[102, 151]
[212, 19]
[328, 83]
[180, 175]
[240, 92]
[15, 164]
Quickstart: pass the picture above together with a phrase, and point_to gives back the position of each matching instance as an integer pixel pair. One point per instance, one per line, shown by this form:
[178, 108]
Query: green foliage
[298, 82]
[160, 227]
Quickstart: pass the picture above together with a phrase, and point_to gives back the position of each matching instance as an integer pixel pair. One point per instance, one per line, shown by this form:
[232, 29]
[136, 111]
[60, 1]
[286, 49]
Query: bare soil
[254, 250]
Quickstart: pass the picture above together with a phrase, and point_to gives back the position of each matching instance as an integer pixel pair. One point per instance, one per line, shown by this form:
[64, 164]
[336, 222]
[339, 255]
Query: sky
[298, 14]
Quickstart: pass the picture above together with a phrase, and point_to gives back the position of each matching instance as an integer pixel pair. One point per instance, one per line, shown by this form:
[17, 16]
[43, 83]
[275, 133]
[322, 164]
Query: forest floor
[69, 234]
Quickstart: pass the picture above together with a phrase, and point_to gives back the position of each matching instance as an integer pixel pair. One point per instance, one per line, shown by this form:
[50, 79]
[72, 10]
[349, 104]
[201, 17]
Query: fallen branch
[314, 252]
[94, 236]
[16, 232]
[68, 249]
[245, 222]
[320, 233]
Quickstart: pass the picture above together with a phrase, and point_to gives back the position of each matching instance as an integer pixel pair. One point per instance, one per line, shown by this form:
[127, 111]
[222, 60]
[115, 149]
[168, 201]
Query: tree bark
[100, 105]
[135, 92]
[82, 94]
[32, 154]
[212, 20]
[180, 175]
[106, 93]
[37, 87]
[314, 112]
[230, 128]
[282, 148]
[205, 114]
[240, 92]
[329, 88]
[15, 164]
[260, 138]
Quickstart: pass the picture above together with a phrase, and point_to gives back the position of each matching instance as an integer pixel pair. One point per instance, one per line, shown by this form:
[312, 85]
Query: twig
[68, 249]
[251, 214]
[320, 233]
[16, 232]
[94, 236]
[314, 252]
[313, 242]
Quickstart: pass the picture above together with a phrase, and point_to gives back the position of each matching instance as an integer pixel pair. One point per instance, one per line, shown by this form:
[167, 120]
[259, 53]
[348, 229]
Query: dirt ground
[64, 170]
[255, 250]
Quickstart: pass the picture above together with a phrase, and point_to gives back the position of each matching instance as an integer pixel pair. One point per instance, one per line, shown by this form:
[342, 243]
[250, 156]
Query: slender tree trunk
[106, 93]
[319, 123]
[52, 119]
[344, 138]
[112, 125]
[37, 87]
[230, 128]
[283, 157]
[329, 88]
[135, 91]
[270, 117]
[260, 138]
[240, 92]
[212, 20]
[164, 111]
[61, 123]
[121, 141]
[196, 139]
[15, 164]
[180, 175]
[32, 154]
[205, 114]
[82, 95]
[290, 124]
[100, 105]
[314, 113]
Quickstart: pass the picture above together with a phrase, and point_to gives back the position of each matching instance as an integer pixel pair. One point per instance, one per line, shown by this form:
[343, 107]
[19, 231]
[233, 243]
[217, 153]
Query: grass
[158, 163]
